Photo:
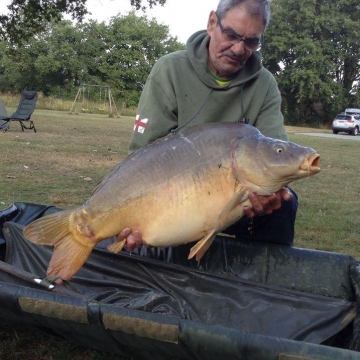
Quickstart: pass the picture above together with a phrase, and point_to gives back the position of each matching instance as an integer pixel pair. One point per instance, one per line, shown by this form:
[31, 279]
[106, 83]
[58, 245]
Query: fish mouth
[311, 164]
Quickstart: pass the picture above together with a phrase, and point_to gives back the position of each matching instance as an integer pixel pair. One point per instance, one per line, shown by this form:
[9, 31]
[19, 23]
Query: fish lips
[311, 164]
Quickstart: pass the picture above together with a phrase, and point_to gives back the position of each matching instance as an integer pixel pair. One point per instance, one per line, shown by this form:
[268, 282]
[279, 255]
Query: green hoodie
[181, 91]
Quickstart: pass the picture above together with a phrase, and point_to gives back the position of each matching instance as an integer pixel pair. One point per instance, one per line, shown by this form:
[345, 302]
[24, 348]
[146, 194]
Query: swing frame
[81, 97]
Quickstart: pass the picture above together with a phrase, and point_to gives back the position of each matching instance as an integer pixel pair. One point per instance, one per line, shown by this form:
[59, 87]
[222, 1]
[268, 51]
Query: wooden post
[77, 95]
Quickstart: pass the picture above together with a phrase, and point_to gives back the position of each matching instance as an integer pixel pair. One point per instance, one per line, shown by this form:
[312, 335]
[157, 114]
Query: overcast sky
[183, 17]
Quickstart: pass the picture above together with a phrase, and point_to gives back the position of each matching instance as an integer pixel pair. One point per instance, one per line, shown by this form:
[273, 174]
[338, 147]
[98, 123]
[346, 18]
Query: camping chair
[4, 121]
[24, 111]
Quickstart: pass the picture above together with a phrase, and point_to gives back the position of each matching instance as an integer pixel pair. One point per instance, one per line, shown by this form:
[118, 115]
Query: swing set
[87, 100]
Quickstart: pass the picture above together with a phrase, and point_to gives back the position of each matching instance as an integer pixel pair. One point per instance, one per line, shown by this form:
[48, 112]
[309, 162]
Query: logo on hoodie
[140, 124]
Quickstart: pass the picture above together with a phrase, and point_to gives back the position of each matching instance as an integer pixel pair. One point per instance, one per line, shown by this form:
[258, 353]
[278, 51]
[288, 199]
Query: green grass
[54, 165]
[328, 218]
[80, 106]
[61, 164]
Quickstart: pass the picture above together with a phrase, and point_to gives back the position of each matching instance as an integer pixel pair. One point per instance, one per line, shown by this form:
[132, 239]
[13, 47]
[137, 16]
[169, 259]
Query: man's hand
[133, 239]
[265, 205]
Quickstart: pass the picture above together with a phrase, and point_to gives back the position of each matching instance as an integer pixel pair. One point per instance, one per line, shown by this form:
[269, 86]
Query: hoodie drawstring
[174, 131]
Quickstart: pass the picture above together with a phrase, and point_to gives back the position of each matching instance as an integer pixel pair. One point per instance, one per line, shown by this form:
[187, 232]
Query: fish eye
[279, 150]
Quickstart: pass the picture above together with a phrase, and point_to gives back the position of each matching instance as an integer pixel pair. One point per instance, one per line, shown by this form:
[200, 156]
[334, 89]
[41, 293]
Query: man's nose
[239, 48]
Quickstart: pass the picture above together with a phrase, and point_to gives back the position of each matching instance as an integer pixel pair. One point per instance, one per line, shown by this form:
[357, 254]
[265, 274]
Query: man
[220, 77]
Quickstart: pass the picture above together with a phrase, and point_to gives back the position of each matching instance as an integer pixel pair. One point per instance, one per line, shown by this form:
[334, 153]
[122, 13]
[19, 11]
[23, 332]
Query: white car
[346, 123]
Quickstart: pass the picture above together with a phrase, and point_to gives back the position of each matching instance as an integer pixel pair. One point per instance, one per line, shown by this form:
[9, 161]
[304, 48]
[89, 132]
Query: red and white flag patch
[140, 124]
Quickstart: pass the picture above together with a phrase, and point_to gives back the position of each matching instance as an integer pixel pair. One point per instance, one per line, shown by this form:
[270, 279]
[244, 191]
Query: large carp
[184, 187]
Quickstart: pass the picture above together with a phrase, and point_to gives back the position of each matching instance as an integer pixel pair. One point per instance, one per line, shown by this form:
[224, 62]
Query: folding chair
[24, 111]
[4, 121]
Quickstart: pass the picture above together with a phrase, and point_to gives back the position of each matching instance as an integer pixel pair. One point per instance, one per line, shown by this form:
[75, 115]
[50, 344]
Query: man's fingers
[249, 212]
[133, 239]
[285, 194]
[255, 202]
[130, 243]
[137, 238]
[123, 234]
[265, 205]
[274, 203]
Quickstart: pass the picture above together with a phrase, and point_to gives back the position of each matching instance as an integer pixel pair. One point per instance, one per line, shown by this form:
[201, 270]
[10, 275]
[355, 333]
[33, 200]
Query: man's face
[228, 57]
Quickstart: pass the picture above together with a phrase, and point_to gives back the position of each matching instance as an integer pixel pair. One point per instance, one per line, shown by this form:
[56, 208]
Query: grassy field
[61, 164]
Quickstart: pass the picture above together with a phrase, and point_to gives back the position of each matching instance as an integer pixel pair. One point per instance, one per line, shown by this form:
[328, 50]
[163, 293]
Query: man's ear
[212, 21]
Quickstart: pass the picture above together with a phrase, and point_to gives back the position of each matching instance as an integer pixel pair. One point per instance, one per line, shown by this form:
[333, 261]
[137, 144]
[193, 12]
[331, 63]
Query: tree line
[29, 17]
[311, 47]
[119, 54]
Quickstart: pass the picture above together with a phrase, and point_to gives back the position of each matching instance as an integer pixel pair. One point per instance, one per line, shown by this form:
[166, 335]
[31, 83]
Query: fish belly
[181, 211]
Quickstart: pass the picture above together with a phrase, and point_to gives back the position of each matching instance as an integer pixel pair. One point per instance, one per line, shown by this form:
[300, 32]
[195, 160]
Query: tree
[119, 54]
[312, 48]
[29, 17]
[133, 45]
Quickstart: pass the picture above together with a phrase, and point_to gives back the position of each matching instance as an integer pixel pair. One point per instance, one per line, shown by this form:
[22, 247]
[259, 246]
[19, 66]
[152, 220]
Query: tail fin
[70, 252]
[50, 229]
[68, 257]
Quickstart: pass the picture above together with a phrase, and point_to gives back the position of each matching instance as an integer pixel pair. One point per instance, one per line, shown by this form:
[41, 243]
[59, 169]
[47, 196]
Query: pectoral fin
[201, 246]
[239, 196]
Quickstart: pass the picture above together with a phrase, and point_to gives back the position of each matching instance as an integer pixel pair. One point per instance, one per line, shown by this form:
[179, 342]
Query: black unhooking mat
[242, 300]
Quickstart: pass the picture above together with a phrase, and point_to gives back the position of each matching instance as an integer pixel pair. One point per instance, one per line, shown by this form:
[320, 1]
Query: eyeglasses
[231, 37]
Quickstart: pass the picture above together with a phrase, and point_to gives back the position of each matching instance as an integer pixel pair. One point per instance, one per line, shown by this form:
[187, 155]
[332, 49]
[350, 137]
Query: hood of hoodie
[197, 51]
